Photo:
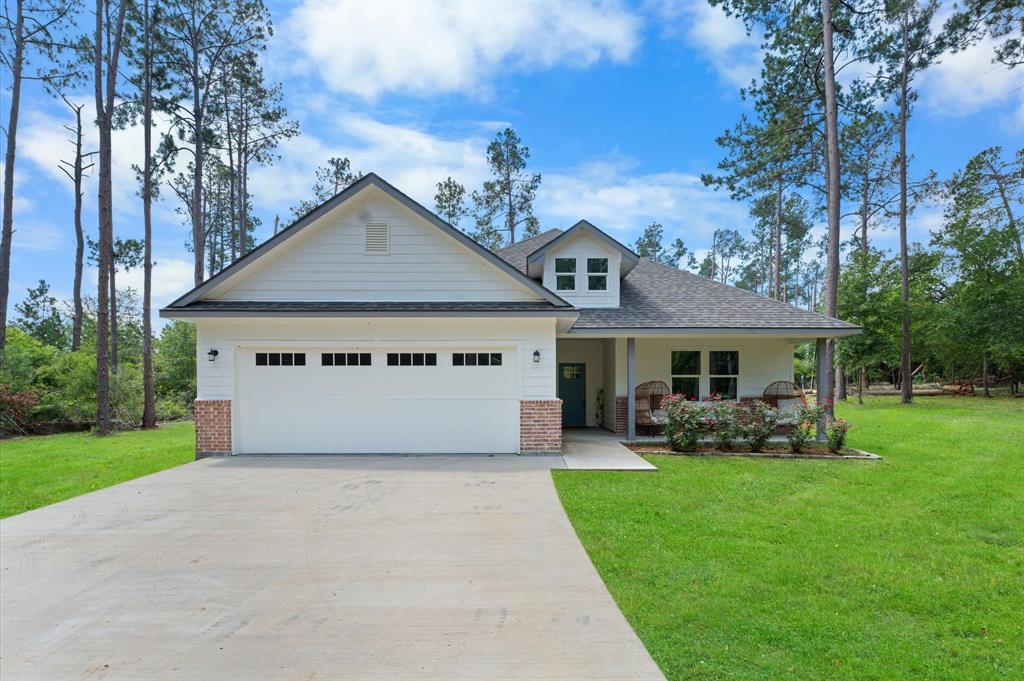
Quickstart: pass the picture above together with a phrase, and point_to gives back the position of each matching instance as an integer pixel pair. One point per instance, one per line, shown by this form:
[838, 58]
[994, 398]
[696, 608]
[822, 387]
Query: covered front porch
[598, 373]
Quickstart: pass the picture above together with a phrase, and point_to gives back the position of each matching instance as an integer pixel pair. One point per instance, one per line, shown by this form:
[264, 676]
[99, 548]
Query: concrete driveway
[312, 568]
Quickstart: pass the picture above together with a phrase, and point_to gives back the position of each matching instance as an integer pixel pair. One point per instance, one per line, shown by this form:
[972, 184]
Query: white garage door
[313, 400]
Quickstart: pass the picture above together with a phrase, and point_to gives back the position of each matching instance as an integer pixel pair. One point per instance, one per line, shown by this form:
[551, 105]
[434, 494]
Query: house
[370, 325]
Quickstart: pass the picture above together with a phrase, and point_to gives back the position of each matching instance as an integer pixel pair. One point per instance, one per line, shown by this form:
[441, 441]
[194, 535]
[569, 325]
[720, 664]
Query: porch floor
[595, 449]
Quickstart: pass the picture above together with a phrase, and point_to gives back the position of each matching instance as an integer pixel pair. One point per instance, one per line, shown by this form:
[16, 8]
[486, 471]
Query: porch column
[631, 388]
[821, 376]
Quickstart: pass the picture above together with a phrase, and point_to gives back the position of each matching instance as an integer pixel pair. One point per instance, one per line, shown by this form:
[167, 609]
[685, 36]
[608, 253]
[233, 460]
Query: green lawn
[764, 569]
[41, 470]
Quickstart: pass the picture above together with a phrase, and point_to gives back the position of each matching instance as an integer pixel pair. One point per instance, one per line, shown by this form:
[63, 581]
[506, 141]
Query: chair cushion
[789, 405]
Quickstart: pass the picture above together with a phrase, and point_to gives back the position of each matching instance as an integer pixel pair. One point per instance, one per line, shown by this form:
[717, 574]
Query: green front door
[572, 389]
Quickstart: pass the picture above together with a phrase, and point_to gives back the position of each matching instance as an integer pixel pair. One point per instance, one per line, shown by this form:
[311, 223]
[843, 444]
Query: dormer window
[597, 274]
[565, 274]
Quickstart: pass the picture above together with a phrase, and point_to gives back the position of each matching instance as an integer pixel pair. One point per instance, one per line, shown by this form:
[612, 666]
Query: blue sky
[619, 104]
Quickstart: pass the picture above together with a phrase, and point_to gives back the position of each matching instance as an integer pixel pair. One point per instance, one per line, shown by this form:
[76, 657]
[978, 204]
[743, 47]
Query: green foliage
[40, 317]
[175, 363]
[450, 201]
[757, 424]
[648, 245]
[23, 356]
[330, 180]
[686, 422]
[506, 201]
[722, 422]
[835, 434]
[801, 433]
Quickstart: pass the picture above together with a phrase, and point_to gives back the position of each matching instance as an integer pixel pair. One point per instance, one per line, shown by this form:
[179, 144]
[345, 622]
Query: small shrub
[686, 422]
[170, 410]
[16, 411]
[803, 431]
[835, 432]
[723, 425]
[758, 425]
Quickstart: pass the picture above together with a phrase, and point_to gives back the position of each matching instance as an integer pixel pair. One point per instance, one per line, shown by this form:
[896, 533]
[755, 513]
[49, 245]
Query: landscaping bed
[780, 452]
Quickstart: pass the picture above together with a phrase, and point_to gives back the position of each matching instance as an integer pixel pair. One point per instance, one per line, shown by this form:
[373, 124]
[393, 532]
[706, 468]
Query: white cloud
[609, 196]
[409, 158]
[720, 40]
[431, 47]
[171, 278]
[966, 82]
[37, 236]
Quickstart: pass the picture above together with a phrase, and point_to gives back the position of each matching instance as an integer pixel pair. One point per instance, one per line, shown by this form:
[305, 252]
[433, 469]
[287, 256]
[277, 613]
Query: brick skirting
[213, 427]
[621, 414]
[540, 427]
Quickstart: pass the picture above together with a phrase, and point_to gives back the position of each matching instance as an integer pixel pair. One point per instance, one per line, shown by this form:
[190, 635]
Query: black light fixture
[536, 355]
[212, 354]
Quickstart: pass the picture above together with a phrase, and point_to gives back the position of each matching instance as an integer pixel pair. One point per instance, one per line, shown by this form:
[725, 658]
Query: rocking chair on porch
[649, 414]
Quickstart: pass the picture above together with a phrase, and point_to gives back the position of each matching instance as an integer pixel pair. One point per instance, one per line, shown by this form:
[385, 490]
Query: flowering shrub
[803, 431]
[835, 432]
[686, 422]
[723, 424]
[758, 425]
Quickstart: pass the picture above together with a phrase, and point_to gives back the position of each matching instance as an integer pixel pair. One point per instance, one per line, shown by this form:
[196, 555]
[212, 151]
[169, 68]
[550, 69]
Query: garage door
[314, 400]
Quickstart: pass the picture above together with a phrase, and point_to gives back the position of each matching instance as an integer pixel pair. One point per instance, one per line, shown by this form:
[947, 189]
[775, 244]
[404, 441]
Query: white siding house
[372, 326]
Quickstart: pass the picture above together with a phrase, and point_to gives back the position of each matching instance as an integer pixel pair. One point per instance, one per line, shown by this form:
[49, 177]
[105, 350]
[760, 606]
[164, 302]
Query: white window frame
[589, 274]
[739, 368]
[573, 274]
[700, 370]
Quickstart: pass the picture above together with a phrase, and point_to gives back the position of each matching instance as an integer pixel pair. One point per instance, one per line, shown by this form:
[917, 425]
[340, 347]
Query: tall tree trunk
[7, 231]
[834, 189]
[1011, 222]
[861, 385]
[984, 374]
[113, 313]
[907, 384]
[198, 238]
[778, 239]
[148, 384]
[840, 383]
[77, 172]
[865, 198]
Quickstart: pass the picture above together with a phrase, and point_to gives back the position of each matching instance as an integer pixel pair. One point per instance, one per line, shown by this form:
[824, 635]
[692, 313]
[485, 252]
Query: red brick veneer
[213, 427]
[540, 426]
[621, 414]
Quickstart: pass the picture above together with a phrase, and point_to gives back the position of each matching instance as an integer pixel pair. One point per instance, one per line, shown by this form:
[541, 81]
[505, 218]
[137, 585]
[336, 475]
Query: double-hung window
[724, 373]
[597, 274]
[686, 373]
[565, 274]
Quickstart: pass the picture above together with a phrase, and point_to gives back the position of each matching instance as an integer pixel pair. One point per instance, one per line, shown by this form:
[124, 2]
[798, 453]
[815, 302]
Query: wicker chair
[649, 414]
[782, 390]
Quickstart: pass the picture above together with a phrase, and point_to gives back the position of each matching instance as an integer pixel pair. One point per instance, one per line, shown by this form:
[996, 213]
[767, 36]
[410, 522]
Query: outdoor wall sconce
[536, 355]
[212, 354]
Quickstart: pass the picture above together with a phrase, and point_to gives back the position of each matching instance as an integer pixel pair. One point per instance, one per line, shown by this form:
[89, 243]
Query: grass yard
[732, 568]
[41, 470]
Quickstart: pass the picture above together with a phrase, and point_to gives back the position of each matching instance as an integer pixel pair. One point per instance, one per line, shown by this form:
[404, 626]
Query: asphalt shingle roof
[654, 296]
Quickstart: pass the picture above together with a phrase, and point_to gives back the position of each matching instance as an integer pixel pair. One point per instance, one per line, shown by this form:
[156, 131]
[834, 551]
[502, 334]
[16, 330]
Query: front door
[572, 389]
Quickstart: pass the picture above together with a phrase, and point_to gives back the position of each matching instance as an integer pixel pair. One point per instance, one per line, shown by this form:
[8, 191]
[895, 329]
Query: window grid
[412, 359]
[565, 274]
[280, 359]
[343, 359]
[724, 373]
[476, 359]
[597, 274]
[685, 373]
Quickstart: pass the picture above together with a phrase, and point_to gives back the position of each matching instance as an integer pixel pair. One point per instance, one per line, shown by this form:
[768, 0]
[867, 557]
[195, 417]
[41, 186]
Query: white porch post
[631, 388]
[821, 376]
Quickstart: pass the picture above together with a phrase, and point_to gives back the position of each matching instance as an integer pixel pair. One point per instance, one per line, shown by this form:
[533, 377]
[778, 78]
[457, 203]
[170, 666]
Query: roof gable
[320, 257]
[582, 229]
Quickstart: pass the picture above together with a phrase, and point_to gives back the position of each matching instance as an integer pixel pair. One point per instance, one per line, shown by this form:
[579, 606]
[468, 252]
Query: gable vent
[378, 240]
